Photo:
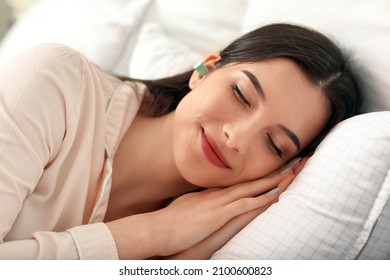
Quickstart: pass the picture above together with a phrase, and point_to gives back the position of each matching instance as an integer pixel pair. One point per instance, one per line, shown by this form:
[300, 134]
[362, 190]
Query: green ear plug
[201, 68]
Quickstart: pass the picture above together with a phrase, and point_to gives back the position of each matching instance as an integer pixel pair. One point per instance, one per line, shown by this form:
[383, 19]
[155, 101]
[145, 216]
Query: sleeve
[86, 242]
[32, 127]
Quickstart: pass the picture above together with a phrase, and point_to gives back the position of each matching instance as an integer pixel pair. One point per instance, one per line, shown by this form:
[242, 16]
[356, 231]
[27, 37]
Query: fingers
[261, 193]
[242, 220]
[253, 188]
[283, 185]
[257, 187]
[298, 168]
[249, 204]
[263, 201]
[287, 167]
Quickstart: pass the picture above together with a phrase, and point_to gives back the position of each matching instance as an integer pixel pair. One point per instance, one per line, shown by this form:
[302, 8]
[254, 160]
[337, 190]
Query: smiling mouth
[212, 153]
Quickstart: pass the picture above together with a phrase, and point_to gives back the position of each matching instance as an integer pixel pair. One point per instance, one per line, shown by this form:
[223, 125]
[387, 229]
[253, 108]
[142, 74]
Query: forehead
[279, 75]
[278, 65]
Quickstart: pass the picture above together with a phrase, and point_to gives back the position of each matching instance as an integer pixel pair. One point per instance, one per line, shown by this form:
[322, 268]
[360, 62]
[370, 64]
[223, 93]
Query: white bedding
[338, 207]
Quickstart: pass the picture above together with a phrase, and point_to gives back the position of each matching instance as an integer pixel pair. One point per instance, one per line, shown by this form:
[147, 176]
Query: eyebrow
[255, 82]
[292, 136]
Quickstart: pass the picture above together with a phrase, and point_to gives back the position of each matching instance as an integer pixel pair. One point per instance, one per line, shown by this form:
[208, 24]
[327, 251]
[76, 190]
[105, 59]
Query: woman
[93, 166]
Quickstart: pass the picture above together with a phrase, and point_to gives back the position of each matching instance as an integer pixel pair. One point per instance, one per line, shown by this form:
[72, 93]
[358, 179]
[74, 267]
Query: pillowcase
[98, 29]
[363, 27]
[330, 209]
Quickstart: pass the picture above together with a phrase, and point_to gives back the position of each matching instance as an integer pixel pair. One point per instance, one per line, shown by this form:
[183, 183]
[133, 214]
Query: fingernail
[272, 192]
[290, 165]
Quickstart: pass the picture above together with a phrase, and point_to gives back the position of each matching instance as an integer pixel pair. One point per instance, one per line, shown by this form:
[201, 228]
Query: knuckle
[246, 204]
[264, 200]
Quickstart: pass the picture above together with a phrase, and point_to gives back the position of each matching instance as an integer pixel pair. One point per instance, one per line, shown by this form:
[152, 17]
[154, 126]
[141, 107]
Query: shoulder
[50, 74]
[52, 61]
[56, 62]
[43, 62]
[46, 53]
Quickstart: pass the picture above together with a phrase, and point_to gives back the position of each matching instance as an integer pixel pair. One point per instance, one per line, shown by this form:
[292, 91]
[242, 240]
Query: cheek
[193, 168]
[210, 101]
[258, 163]
[187, 151]
[259, 167]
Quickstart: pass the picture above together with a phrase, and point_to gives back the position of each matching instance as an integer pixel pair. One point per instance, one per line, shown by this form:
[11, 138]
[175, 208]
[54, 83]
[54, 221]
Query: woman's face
[243, 121]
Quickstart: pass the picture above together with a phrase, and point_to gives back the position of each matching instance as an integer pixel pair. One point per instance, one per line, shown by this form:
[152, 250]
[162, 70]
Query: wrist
[134, 236]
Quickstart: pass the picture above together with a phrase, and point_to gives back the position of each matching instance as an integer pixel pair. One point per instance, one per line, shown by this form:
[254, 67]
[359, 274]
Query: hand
[196, 216]
[299, 166]
[208, 246]
[190, 218]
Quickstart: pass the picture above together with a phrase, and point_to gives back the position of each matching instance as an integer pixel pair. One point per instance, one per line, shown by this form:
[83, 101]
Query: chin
[196, 171]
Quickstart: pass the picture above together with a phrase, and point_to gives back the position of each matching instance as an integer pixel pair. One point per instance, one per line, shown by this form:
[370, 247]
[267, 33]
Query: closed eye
[274, 147]
[239, 95]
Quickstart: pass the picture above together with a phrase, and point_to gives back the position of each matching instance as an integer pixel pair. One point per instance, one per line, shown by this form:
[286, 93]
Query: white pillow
[157, 56]
[330, 209]
[98, 29]
[203, 25]
[361, 26]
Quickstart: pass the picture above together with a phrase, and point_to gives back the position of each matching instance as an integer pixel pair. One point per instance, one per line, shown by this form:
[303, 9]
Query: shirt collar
[121, 111]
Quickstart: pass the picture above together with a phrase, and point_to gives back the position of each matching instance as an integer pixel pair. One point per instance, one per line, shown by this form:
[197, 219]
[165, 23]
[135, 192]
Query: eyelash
[275, 148]
[243, 100]
[239, 95]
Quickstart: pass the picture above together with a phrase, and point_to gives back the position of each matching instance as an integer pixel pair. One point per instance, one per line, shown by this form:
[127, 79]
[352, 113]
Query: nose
[238, 136]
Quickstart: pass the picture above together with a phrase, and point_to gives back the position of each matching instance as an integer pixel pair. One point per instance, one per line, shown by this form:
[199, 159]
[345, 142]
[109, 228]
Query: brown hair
[319, 58]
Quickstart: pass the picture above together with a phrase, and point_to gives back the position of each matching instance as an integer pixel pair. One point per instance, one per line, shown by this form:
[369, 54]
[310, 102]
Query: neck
[144, 168]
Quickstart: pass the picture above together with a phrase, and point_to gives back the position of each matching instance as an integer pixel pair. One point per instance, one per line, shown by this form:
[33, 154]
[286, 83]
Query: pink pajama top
[61, 121]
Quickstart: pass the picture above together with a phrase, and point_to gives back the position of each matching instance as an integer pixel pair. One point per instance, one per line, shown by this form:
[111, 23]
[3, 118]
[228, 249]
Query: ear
[209, 62]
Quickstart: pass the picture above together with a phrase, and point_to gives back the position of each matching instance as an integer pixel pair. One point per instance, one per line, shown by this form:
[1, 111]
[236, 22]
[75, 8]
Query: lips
[212, 152]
